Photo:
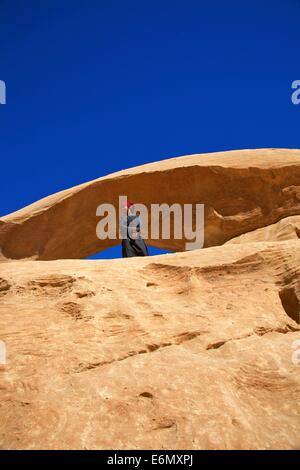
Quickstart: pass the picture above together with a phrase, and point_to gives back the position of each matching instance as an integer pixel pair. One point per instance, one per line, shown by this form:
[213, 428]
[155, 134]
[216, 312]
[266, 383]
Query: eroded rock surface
[287, 228]
[194, 350]
[183, 351]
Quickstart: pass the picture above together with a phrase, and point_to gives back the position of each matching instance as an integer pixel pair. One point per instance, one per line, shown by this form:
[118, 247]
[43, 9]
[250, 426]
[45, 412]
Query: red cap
[129, 204]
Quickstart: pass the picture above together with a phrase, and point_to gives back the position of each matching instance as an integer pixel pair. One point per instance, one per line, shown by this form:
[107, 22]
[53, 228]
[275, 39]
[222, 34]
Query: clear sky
[94, 86]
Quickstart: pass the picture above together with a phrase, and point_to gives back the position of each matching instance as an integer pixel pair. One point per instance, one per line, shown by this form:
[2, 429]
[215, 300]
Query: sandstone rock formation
[241, 190]
[286, 229]
[194, 350]
[198, 356]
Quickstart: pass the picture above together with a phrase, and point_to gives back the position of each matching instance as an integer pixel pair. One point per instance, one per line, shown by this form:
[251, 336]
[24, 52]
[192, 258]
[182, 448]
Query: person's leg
[124, 251]
[140, 247]
[127, 249]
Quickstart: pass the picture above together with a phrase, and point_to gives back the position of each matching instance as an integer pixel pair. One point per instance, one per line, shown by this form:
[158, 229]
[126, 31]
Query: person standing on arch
[132, 242]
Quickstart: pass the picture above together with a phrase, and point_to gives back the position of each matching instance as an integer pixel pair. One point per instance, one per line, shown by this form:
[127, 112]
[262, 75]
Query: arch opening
[115, 252]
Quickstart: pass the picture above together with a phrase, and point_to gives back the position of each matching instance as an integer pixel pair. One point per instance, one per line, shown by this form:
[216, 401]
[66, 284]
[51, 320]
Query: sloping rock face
[286, 229]
[241, 190]
[196, 350]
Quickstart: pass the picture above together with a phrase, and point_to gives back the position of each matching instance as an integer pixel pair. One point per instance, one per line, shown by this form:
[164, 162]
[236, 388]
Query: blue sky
[97, 86]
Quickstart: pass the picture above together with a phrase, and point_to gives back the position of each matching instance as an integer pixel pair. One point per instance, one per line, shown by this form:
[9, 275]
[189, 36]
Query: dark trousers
[132, 248]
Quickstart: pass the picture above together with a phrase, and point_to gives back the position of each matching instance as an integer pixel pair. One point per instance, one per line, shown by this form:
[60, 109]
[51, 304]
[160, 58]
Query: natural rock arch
[242, 190]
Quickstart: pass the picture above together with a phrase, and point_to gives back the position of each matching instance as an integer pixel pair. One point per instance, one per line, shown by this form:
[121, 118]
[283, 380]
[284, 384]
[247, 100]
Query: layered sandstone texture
[191, 350]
